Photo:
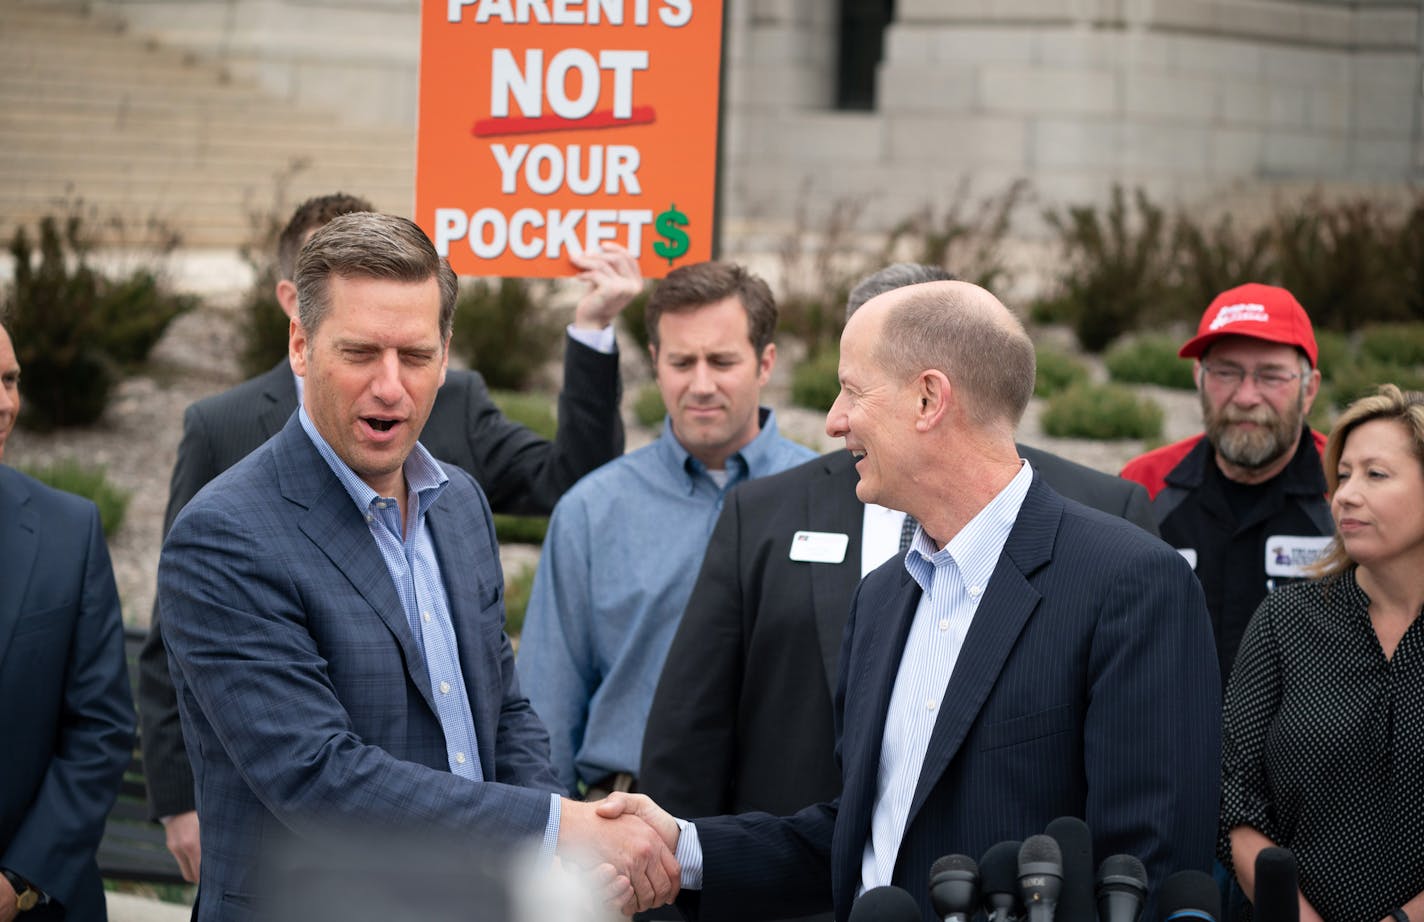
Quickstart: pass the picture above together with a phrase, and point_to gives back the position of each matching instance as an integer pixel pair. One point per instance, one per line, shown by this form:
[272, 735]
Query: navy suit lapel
[875, 661]
[19, 542]
[833, 507]
[279, 396]
[336, 529]
[1005, 609]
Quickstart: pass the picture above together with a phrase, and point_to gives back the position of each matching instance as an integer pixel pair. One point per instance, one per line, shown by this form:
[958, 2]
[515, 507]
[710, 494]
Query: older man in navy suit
[68, 717]
[1029, 658]
[334, 608]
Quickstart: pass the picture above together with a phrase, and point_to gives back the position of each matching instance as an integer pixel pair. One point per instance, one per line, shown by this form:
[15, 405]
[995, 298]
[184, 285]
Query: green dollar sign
[668, 225]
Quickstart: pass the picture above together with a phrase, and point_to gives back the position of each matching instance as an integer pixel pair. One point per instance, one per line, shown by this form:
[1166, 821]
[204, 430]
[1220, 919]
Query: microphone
[1075, 841]
[1277, 891]
[885, 904]
[1040, 876]
[1189, 896]
[1122, 889]
[999, 882]
[954, 887]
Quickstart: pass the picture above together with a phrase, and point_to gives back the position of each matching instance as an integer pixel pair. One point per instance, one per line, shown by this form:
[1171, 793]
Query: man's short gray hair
[367, 245]
[895, 275]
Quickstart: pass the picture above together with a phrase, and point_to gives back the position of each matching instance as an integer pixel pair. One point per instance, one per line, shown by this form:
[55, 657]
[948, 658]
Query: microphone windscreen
[954, 886]
[1040, 855]
[999, 878]
[1076, 902]
[885, 904]
[1189, 895]
[954, 863]
[1121, 888]
[1276, 887]
[1123, 869]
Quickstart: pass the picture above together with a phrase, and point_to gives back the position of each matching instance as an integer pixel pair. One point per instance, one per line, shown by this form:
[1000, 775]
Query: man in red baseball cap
[1244, 501]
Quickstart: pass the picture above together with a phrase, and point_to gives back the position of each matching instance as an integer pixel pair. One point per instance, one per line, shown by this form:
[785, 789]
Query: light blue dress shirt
[619, 562]
[952, 580]
[409, 554]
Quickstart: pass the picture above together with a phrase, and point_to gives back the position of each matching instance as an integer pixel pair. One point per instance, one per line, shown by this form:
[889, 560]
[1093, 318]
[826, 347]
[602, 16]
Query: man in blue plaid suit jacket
[334, 609]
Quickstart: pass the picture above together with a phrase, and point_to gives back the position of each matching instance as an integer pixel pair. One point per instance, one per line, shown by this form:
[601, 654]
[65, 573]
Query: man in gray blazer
[519, 471]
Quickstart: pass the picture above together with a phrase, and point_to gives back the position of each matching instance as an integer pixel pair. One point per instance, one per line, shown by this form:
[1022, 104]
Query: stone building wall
[1185, 98]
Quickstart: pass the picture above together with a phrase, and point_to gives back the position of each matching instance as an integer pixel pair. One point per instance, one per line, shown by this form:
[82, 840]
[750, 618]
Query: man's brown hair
[700, 284]
[310, 215]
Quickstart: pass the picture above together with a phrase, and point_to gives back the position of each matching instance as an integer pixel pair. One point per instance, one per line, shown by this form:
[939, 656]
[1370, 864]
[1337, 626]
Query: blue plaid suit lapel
[335, 528]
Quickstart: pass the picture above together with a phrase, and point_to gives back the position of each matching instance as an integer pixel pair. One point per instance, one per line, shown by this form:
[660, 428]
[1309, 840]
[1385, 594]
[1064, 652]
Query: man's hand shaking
[632, 835]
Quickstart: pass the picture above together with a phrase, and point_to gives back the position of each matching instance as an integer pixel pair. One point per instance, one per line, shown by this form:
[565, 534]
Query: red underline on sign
[486, 127]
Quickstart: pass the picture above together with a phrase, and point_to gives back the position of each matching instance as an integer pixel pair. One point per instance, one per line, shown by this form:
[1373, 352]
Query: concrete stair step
[115, 124]
[137, 137]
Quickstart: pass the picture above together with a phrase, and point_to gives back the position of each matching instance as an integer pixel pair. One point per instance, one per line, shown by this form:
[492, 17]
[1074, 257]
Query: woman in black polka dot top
[1323, 736]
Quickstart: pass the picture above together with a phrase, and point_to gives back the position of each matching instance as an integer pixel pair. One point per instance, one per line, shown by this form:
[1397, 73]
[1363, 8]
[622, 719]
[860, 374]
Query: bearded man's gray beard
[1256, 448]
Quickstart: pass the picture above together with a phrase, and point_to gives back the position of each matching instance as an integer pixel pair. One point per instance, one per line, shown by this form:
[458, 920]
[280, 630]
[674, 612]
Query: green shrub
[1394, 343]
[134, 312]
[75, 330]
[635, 322]
[264, 328]
[1211, 260]
[1057, 371]
[533, 410]
[1323, 411]
[817, 271]
[1101, 412]
[816, 381]
[1343, 262]
[520, 529]
[1334, 350]
[966, 239]
[1118, 268]
[92, 483]
[1150, 360]
[816, 319]
[503, 330]
[648, 407]
[517, 588]
[1362, 377]
[536, 412]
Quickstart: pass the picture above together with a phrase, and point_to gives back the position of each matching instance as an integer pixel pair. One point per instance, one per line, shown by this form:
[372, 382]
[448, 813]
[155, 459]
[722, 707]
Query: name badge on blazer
[819, 546]
[1289, 555]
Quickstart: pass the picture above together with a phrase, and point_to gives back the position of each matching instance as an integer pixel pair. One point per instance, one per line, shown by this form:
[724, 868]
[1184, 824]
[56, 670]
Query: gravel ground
[137, 440]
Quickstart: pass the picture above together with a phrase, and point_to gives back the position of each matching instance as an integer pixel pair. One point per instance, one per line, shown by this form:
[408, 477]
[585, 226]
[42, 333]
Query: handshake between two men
[637, 842]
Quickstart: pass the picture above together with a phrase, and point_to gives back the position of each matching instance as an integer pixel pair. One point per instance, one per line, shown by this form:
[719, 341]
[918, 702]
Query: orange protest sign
[551, 126]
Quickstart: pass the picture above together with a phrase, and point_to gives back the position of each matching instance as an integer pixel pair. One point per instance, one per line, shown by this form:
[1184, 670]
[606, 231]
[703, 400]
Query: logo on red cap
[1240, 313]
[1264, 312]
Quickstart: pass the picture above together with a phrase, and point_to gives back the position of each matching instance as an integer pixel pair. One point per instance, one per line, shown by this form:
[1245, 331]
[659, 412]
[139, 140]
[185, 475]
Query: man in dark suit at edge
[64, 690]
[520, 472]
[1030, 657]
[767, 615]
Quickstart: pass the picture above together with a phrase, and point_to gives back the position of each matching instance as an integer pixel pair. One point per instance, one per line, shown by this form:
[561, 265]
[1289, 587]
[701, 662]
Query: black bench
[134, 846]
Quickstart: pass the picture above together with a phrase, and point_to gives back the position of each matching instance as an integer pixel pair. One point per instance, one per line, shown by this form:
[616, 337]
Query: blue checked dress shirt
[623, 551]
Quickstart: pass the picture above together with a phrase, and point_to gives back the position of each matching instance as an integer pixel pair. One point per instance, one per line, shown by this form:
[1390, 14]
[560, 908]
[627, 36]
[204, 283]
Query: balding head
[961, 330]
